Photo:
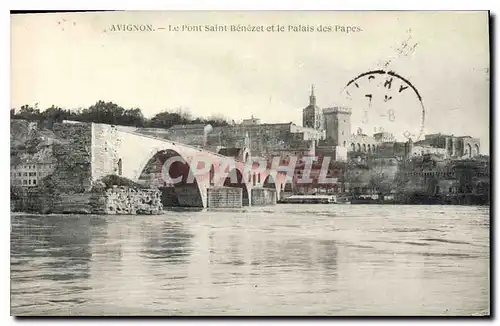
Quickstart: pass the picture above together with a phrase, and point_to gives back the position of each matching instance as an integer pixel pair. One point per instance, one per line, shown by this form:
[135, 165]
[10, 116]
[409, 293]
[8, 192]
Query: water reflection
[347, 261]
[327, 255]
[50, 258]
[170, 241]
[62, 244]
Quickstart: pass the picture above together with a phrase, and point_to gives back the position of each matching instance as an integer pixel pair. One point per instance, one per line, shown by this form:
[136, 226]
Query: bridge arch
[170, 171]
[235, 179]
[270, 182]
[274, 182]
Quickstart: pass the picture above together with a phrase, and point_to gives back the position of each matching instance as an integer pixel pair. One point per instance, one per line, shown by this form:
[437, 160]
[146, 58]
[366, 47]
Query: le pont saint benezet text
[263, 28]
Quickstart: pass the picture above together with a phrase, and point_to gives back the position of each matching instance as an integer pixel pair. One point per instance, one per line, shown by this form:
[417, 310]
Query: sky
[73, 60]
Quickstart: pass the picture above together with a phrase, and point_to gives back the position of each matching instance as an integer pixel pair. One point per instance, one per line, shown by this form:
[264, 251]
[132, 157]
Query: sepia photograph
[250, 163]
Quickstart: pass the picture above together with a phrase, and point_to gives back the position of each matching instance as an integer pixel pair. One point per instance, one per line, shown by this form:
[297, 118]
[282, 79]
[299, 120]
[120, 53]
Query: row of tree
[111, 113]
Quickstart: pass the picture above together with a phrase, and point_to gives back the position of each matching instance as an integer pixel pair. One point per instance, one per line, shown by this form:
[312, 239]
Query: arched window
[369, 148]
[364, 148]
[353, 147]
[468, 150]
[253, 179]
[120, 167]
[258, 177]
[359, 147]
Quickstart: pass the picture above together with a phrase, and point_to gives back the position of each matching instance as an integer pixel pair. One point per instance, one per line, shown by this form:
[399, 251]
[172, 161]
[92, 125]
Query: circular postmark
[385, 99]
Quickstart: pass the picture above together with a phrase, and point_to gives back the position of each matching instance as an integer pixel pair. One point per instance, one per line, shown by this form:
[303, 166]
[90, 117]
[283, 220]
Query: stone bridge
[125, 152]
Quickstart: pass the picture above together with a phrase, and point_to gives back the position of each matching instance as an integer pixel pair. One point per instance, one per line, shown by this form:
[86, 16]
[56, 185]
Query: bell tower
[312, 116]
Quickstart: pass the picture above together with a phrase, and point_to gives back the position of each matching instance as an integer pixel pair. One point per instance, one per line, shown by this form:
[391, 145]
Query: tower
[338, 126]
[312, 116]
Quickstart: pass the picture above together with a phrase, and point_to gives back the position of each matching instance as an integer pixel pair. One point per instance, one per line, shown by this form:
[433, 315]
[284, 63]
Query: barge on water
[314, 199]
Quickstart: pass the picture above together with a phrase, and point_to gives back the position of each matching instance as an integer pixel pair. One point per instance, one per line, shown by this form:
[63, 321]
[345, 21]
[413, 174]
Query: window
[18, 174]
[25, 182]
[258, 177]
[25, 174]
[120, 167]
[29, 181]
[34, 182]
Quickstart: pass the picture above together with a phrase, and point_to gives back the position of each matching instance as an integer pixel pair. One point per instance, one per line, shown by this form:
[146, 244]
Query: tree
[112, 113]
[133, 117]
[28, 113]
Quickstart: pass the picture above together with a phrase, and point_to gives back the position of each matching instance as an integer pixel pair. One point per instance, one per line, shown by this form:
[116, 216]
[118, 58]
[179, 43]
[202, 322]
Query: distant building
[251, 121]
[29, 167]
[312, 115]
[30, 173]
[265, 138]
[450, 145]
[337, 126]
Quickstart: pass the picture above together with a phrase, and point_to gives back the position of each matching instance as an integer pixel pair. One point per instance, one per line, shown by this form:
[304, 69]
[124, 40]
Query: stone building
[195, 134]
[31, 153]
[265, 139]
[30, 172]
[362, 143]
[451, 146]
[337, 125]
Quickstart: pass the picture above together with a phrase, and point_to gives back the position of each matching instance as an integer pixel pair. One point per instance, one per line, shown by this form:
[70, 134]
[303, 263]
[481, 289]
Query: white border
[184, 5]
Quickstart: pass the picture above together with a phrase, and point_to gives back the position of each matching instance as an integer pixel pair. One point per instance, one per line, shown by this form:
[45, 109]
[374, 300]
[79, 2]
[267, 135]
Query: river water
[279, 260]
